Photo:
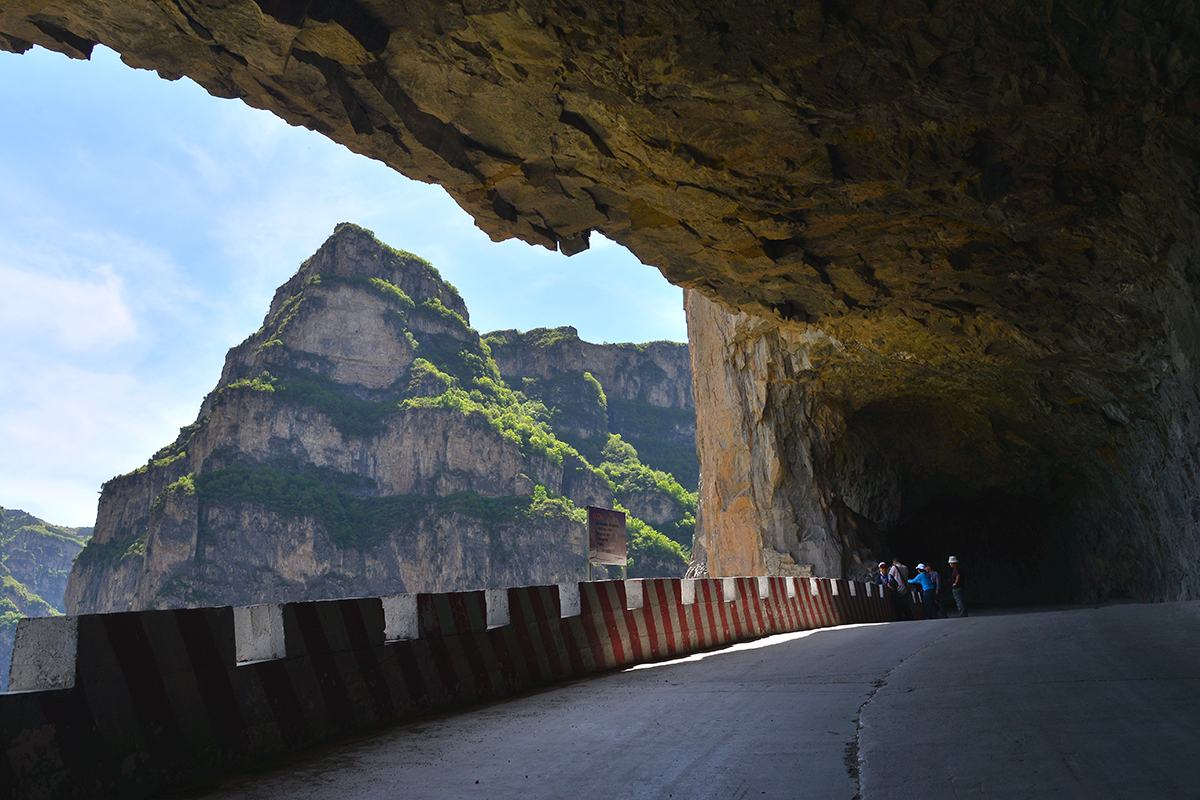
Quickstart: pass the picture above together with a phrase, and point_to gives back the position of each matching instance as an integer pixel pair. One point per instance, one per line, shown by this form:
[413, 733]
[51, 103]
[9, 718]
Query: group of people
[924, 587]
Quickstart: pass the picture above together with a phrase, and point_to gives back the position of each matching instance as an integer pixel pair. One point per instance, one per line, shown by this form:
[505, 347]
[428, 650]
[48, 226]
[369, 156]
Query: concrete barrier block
[325, 626]
[399, 617]
[790, 583]
[496, 603]
[569, 603]
[687, 591]
[833, 588]
[634, 596]
[853, 593]
[451, 614]
[813, 589]
[258, 633]
[764, 588]
[729, 591]
[44, 654]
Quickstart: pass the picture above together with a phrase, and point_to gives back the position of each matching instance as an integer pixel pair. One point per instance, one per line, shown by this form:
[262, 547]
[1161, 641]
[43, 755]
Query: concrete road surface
[1082, 703]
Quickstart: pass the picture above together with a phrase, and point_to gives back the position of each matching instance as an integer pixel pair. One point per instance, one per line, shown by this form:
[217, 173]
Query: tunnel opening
[939, 478]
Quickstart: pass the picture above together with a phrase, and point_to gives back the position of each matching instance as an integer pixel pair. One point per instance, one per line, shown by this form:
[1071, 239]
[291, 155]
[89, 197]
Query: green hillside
[35, 560]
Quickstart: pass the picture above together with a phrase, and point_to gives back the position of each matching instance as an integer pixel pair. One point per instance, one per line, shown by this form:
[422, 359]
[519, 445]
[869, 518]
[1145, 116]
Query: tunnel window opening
[142, 245]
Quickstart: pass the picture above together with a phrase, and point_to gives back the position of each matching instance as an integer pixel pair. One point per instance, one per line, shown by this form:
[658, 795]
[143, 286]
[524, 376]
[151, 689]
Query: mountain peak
[355, 252]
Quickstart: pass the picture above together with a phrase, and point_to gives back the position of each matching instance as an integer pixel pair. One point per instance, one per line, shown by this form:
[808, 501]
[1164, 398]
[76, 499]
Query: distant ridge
[35, 560]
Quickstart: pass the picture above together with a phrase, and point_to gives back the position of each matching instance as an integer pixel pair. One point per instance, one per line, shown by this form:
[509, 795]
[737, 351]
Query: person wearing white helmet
[928, 590]
[956, 584]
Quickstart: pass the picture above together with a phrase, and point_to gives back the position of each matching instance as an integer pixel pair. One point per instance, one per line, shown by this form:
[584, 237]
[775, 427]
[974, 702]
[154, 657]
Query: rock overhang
[990, 208]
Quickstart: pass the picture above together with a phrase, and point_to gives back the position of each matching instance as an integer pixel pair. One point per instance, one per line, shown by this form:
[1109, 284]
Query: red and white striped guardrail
[136, 703]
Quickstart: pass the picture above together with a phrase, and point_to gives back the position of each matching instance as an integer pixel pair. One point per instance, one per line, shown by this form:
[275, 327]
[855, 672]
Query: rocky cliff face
[361, 442]
[38, 554]
[642, 392]
[820, 455]
[953, 245]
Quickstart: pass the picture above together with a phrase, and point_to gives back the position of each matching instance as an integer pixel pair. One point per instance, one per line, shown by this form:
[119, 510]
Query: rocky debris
[362, 442]
[992, 209]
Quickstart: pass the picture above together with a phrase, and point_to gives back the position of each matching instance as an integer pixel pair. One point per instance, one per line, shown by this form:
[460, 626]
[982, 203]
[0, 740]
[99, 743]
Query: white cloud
[68, 430]
[75, 313]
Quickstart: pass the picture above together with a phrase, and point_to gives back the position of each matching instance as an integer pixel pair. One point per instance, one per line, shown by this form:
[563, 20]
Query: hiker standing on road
[937, 592]
[956, 584]
[901, 595]
[881, 577]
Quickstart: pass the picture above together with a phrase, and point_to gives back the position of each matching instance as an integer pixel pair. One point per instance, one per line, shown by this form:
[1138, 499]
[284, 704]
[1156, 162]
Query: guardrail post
[687, 591]
[729, 591]
[634, 597]
[569, 604]
[258, 633]
[400, 621]
[495, 602]
[43, 656]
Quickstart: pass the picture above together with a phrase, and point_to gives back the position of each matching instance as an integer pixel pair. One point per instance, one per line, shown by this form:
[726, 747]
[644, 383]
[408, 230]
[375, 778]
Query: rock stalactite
[956, 244]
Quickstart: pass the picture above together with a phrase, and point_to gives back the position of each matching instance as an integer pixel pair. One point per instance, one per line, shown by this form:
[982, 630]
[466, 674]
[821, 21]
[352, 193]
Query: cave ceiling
[943, 180]
[990, 203]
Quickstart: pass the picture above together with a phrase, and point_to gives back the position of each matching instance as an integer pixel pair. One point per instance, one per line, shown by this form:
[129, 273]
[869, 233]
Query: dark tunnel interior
[1013, 549]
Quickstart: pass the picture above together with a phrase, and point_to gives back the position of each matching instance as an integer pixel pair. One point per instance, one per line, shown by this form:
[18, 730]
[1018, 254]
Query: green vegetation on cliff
[534, 337]
[128, 542]
[35, 559]
[351, 415]
[630, 478]
[645, 426]
[650, 553]
[359, 522]
[17, 601]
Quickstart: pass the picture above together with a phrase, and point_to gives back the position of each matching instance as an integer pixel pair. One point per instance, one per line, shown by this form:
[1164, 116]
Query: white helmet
[953, 560]
[920, 566]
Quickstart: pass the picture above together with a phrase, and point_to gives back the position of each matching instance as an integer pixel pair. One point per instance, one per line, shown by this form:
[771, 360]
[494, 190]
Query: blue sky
[144, 226]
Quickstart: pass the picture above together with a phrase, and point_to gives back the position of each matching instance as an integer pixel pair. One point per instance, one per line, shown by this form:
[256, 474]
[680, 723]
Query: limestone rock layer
[984, 215]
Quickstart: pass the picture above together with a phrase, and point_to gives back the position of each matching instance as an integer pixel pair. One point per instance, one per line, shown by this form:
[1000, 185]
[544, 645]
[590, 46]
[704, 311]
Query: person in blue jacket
[927, 590]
